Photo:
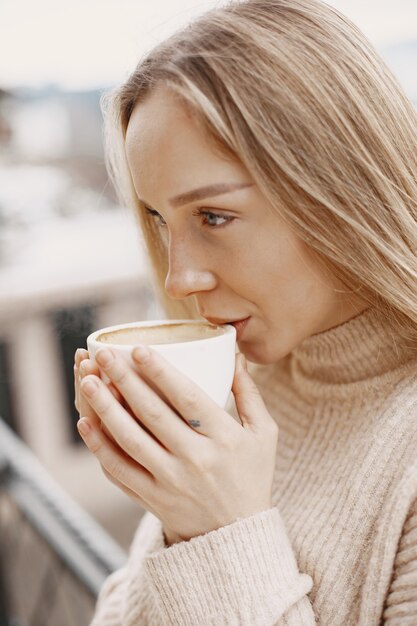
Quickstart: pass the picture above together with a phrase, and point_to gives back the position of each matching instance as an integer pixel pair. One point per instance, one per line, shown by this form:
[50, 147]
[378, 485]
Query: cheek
[294, 275]
[280, 274]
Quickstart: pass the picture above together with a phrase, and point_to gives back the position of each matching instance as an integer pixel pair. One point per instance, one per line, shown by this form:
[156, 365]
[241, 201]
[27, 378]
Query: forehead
[159, 123]
[160, 104]
[167, 144]
[163, 120]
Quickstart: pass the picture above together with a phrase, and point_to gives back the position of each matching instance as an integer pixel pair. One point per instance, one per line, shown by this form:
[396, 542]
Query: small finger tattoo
[194, 423]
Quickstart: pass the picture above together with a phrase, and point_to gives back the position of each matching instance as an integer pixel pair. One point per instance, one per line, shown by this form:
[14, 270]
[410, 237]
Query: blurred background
[71, 259]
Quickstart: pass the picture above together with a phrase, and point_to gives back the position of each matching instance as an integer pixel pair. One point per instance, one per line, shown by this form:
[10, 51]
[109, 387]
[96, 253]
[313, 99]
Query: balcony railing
[53, 556]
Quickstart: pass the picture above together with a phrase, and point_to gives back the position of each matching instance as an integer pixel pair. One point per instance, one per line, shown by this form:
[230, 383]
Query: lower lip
[240, 327]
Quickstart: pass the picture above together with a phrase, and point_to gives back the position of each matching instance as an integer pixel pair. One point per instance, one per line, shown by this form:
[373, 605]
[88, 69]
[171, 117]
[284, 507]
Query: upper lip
[217, 320]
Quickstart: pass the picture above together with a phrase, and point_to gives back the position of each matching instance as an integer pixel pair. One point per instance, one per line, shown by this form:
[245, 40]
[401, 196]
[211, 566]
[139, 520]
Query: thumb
[249, 403]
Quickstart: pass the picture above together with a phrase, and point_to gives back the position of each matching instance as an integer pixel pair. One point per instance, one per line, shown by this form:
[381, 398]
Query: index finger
[190, 401]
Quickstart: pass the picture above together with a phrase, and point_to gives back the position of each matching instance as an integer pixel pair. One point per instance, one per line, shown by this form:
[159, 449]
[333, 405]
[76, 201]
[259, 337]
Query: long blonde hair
[295, 91]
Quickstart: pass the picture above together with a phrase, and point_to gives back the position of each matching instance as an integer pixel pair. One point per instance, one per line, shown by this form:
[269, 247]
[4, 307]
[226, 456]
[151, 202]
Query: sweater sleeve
[126, 597]
[401, 603]
[243, 574]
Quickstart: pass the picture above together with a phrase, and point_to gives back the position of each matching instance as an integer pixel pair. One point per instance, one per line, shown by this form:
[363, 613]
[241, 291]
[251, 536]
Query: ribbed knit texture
[339, 546]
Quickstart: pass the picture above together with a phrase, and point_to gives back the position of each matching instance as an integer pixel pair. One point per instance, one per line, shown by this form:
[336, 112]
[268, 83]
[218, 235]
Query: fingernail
[80, 352]
[141, 354]
[104, 357]
[83, 368]
[89, 386]
[84, 427]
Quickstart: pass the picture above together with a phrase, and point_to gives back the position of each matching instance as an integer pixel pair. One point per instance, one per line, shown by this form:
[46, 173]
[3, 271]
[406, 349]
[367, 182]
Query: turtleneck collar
[360, 349]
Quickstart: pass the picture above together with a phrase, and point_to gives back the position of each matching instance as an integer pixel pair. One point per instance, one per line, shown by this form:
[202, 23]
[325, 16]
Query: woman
[271, 158]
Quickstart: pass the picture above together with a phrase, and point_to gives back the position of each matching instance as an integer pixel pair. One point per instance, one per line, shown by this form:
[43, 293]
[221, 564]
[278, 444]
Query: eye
[213, 220]
[208, 218]
[161, 221]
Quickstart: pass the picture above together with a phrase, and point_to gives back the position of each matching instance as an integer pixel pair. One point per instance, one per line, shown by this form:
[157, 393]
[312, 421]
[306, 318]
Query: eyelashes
[155, 214]
[209, 219]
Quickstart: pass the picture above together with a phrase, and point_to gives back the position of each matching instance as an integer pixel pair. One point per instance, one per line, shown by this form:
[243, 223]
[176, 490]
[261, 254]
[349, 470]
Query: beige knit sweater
[339, 548]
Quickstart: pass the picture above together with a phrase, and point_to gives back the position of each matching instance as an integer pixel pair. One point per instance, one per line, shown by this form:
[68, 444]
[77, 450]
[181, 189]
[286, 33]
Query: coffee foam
[162, 334]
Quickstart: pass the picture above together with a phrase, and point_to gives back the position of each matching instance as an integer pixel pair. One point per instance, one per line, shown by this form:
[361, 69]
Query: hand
[174, 450]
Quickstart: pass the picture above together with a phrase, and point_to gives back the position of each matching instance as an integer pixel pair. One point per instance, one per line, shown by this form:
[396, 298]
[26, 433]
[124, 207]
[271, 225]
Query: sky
[84, 44]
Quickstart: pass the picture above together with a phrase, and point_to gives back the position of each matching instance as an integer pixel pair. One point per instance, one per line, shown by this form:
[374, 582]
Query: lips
[240, 327]
[239, 324]
[217, 320]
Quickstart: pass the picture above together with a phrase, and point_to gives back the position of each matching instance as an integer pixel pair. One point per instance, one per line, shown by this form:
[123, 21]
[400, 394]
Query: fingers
[249, 403]
[80, 356]
[133, 479]
[125, 430]
[84, 366]
[129, 492]
[168, 427]
[191, 402]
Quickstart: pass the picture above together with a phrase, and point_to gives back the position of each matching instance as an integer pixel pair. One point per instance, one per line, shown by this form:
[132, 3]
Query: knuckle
[206, 463]
[190, 399]
[108, 475]
[105, 410]
[95, 446]
[228, 444]
[114, 468]
[158, 371]
[119, 375]
[152, 412]
[200, 460]
[172, 481]
[85, 367]
[103, 406]
[132, 446]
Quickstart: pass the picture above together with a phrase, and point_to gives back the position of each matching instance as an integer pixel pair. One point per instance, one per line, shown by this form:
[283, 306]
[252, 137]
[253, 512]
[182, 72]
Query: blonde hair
[295, 91]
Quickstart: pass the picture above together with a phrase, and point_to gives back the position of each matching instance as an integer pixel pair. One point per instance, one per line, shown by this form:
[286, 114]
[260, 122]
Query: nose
[188, 271]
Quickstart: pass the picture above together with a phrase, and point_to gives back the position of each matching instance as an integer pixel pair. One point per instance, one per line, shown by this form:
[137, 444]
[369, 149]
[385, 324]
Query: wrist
[170, 537]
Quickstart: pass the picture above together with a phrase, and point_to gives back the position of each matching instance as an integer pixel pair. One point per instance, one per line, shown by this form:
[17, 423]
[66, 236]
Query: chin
[261, 354]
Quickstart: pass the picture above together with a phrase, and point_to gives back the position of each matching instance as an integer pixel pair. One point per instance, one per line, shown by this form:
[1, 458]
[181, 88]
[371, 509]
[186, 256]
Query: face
[227, 248]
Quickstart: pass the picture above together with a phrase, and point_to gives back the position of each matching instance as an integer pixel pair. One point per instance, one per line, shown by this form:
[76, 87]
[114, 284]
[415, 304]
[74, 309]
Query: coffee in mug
[203, 352]
[176, 332]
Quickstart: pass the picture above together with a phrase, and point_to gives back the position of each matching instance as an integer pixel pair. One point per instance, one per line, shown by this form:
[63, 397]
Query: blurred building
[71, 261]
[5, 130]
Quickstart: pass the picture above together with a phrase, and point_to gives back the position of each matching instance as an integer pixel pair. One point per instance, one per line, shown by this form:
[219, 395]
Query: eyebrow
[209, 191]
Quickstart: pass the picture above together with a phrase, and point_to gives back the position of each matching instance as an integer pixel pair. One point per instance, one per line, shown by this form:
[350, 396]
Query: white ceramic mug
[202, 351]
